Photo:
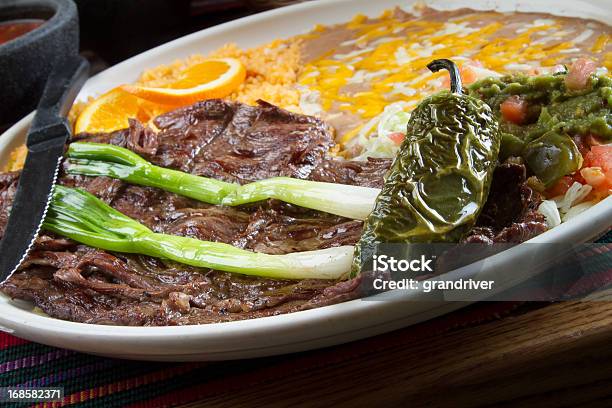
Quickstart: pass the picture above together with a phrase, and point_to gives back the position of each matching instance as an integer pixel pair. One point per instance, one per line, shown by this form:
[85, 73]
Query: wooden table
[545, 355]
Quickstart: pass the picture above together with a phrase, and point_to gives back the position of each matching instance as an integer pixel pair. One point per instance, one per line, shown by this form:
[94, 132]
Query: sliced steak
[234, 142]
[8, 188]
[224, 140]
[509, 217]
[229, 141]
[510, 214]
[82, 284]
[368, 173]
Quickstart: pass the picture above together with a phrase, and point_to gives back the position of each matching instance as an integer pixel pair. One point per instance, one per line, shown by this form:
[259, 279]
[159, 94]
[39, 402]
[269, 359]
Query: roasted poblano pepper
[440, 179]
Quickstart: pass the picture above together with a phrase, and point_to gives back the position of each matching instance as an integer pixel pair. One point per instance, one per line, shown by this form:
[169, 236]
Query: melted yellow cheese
[388, 57]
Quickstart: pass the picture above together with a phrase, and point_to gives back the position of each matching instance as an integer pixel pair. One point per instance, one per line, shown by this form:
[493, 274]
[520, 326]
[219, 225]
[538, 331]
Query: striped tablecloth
[91, 381]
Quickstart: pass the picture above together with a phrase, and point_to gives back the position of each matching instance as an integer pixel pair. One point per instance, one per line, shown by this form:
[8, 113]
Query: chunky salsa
[9, 30]
[558, 128]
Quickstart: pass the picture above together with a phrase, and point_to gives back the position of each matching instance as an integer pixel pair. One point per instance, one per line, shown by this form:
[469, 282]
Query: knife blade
[46, 140]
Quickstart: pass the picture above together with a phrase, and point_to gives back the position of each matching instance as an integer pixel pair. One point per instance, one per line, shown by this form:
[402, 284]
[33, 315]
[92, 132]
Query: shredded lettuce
[394, 119]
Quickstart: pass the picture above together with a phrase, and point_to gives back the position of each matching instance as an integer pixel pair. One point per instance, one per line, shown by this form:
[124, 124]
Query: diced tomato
[514, 109]
[560, 187]
[596, 171]
[579, 74]
[600, 157]
[397, 137]
[584, 143]
[468, 75]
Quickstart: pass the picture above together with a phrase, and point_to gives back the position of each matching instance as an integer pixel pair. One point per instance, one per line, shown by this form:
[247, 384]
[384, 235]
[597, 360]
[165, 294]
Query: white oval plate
[302, 330]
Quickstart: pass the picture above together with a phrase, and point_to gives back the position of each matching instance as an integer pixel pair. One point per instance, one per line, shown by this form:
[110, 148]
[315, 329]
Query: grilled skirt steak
[228, 141]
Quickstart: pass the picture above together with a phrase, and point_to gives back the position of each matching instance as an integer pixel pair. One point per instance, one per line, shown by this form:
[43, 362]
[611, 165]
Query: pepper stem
[451, 67]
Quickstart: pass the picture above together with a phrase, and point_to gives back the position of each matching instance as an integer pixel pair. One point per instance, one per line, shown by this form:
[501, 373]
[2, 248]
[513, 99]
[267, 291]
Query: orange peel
[111, 111]
[212, 78]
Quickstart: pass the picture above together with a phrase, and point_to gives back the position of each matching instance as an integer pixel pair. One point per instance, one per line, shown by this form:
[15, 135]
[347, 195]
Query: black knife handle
[63, 85]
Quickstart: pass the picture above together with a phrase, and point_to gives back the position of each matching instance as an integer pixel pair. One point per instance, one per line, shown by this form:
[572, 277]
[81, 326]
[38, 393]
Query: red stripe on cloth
[589, 283]
[8, 340]
[34, 360]
[123, 385]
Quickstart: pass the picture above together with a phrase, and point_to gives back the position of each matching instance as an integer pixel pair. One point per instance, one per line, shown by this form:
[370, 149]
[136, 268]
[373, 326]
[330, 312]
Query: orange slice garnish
[213, 78]
[111, 112]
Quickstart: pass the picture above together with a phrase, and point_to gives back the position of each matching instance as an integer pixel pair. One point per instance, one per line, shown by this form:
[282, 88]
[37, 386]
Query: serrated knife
[46, 142]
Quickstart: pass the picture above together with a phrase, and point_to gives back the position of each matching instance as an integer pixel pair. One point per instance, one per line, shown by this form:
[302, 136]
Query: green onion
[84, 218]
[340, 199]
[94, 159]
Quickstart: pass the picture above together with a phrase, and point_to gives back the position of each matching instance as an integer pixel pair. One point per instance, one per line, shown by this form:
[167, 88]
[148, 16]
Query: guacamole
[553, 115]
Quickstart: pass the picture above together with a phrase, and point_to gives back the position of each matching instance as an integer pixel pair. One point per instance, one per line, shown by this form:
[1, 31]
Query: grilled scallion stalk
[95, 159]
[84, 218]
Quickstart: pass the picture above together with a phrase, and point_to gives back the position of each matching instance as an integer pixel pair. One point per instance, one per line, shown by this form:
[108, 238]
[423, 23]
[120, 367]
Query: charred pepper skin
[440, 179]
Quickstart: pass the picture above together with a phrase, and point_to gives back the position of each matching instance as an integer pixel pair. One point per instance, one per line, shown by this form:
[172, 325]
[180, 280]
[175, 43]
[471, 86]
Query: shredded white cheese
[569, 51]
[362, 76]
[459, 30]
[353, 54]
[401, 56]
[310, 102]
[586, 34]
[403, 89]
[518, 67]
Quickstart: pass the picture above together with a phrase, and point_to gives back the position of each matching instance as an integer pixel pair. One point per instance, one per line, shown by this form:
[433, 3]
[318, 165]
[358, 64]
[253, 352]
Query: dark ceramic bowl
[25, 62]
